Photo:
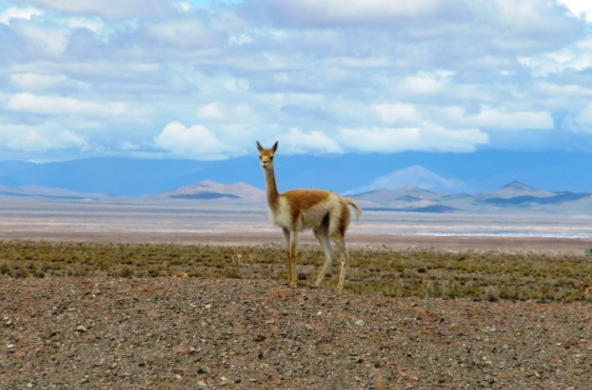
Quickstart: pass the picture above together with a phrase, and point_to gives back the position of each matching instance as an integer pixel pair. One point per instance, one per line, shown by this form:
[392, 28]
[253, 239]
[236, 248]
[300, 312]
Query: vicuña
[325, 212]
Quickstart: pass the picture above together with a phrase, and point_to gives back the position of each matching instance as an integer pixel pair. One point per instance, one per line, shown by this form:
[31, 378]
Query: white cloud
[128, 146]
[193, 141]
[581, 122]
[30, 139]
[576, 57]
[45, 40]
[101, 30]
[182, 34]
[58, 106]
[578, 8]
[37, 82]
[429, 137]
[210, 111]
[352, 11]
[498, 119]
[226, 113]
[364, 75]
[182, 5]
[426, 84]
[486, 118]
[106, 8]
[19, 13]
[397, 113]
[296, 141]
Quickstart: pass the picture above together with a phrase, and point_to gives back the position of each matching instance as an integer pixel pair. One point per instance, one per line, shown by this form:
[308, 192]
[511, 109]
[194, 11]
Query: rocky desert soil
[190, 333]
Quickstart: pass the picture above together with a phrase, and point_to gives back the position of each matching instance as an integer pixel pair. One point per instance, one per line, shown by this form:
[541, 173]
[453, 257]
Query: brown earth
[102, 333]
[111, 333]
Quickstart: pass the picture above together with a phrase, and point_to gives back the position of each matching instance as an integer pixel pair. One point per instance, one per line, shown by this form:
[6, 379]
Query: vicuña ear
[275, 146]
[259, 146]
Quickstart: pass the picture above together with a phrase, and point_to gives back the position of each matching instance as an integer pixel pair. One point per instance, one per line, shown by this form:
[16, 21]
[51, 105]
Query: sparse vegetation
[482, 275]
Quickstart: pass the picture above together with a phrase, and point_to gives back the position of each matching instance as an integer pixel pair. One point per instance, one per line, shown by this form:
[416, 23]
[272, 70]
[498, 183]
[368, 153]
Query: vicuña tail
[352, 203]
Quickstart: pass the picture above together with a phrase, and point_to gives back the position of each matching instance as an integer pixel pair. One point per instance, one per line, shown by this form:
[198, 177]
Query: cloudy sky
[205, 79]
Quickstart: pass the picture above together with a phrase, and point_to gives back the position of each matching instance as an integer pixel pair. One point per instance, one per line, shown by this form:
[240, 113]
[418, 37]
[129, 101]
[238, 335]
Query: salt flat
[227, 222]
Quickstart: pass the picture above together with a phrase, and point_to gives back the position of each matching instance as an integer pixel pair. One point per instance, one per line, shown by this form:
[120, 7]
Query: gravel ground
[108, 333]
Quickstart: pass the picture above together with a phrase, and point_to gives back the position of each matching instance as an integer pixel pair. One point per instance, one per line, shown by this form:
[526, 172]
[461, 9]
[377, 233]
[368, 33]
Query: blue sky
[204, 79]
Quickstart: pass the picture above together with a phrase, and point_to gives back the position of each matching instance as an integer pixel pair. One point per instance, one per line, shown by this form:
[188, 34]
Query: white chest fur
[280, 215]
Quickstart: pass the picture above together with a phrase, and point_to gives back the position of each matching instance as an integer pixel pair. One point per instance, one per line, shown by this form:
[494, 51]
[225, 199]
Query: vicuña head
[325, 212]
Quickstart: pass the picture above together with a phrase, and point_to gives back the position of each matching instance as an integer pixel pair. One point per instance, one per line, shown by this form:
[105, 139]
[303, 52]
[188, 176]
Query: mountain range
[513, 198]
[413, 188]
[415, 175]
[470, 173]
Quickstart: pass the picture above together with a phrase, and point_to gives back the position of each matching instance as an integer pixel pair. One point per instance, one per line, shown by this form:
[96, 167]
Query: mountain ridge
[129, 177]
[525, 199]
[415, 175]
[209, 189]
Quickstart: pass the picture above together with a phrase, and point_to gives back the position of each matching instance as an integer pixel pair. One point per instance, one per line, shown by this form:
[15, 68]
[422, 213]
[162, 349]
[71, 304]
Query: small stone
[360, 323]
[260, 337]
[81, 329]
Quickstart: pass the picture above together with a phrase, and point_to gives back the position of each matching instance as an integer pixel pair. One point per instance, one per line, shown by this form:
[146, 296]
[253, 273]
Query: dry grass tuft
[489, 275]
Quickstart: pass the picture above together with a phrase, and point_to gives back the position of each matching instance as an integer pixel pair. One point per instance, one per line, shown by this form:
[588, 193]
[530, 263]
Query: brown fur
[326, 213]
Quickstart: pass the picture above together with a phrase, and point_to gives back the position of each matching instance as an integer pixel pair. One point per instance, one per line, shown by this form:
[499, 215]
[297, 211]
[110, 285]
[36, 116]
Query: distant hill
[452, 173]
[416, 176]
[211, 190]
[513, 190]
[514, 197]
[33, 191]
[111, 176]
[405, 198]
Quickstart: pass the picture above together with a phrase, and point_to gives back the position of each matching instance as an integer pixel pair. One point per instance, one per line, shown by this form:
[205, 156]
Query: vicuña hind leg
[326, 245]
[343, 256]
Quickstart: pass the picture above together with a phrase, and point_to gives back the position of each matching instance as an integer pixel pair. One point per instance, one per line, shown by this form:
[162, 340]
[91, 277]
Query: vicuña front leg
[286, 233]
[292, 254]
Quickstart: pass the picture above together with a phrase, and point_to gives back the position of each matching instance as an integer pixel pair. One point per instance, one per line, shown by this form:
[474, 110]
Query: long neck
[271, 188]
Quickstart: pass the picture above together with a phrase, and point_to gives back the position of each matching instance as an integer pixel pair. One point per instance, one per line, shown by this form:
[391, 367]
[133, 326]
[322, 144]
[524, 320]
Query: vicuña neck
[271, 188]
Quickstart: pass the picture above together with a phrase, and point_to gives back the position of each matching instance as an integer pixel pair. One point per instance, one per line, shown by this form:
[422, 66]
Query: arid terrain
[121, 333]
[228, 327]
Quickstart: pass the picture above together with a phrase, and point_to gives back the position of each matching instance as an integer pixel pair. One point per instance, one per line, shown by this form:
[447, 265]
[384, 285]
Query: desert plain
[141, 295]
